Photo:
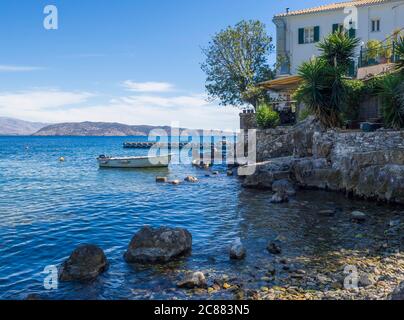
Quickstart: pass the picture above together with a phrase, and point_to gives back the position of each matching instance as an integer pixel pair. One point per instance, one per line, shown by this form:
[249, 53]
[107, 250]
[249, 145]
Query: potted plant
[373, 50]
[387, 52]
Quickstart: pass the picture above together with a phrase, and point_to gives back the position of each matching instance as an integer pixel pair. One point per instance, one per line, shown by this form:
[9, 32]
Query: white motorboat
[134, 162]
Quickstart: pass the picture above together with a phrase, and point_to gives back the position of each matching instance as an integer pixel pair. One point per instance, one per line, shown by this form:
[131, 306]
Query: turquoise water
[48, 207]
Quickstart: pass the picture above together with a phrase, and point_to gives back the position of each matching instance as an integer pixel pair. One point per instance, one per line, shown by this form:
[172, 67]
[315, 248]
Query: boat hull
[135, 162]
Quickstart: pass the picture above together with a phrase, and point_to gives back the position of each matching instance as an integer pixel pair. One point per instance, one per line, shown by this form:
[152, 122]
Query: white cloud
[148, 86]
[40, 99]
[6, 68]
[189, 111]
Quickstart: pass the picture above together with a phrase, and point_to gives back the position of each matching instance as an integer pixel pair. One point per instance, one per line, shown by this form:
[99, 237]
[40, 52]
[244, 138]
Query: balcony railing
[379, 54]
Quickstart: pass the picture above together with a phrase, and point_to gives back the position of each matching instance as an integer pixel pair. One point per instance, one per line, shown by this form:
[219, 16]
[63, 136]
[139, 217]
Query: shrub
[355, 91]
[392, 94]
[266, 117]
[399, 52]
[374, 48]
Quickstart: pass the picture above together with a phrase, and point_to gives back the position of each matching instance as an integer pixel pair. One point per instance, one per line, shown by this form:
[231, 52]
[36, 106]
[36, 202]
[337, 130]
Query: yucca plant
[338, 49]
[392, 96]
[322, 91]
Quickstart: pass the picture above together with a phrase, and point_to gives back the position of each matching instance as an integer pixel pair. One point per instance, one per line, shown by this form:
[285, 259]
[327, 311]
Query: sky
[127, 61]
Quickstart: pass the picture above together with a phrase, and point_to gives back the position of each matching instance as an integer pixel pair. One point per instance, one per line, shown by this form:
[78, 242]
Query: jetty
[174, 145]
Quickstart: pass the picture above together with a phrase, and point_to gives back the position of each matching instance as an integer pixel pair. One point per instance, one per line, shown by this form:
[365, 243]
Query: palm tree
[338, 49]
[322, 91]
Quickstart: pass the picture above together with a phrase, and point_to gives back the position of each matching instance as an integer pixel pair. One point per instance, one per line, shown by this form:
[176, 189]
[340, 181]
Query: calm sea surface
[47, 208]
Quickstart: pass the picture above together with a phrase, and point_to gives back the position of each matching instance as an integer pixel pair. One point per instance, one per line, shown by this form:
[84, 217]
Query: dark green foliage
[355, 91]
[392, 96]
[339, 49]
[266, 117]
[236, 60]
[399, 52]
[322, 91]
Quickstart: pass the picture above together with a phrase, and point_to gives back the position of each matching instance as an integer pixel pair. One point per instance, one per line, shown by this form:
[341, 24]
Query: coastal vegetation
[323, 88]
[237, 58]
[266, 117]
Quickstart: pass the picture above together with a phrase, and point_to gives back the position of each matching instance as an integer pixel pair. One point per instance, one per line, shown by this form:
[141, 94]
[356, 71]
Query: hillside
[15, 127]
[97, 129]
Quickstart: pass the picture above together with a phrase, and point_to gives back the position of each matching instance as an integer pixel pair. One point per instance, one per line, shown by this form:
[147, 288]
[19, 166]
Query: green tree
[338, 49]
[236, 60]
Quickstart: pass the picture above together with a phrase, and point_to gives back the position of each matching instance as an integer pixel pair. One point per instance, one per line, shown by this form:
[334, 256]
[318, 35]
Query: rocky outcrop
[287, 141]
[84, 264]
[237, 250]
[266, 173]
[366, 165]
[284, 186]
[160, 245]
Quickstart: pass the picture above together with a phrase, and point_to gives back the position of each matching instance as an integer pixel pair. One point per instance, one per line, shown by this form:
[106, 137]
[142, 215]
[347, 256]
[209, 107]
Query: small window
[309, 35]
[375, 25]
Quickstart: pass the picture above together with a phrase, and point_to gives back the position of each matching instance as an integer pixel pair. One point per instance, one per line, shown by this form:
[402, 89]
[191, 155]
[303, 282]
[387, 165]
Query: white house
[299, 31]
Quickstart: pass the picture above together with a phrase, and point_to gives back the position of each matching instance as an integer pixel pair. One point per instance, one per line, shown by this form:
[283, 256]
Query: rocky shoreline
[275, 275]
[365, 165]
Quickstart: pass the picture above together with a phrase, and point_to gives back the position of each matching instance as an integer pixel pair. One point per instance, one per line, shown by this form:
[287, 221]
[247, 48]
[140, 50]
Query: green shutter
[352, 33]
[301, 35]
[335, 27]
[316, 34]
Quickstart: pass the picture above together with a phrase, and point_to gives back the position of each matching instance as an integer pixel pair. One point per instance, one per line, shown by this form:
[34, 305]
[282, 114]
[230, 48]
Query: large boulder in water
[84, 264]
[160, 245]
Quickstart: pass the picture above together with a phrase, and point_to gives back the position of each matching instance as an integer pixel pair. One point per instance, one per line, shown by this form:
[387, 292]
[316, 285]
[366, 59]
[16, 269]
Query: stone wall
[367, 165]
[287, 141]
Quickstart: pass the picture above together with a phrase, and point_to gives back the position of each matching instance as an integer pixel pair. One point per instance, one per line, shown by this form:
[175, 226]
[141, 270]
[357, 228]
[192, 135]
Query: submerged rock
[191, 179]
[280, 197]
[284, 186]
[160, 245]
[192, 281]
[237, 250]
[84, 264]
[358, 216]
[398, 294]
[365, 280]
[274, 247]
[271, 270]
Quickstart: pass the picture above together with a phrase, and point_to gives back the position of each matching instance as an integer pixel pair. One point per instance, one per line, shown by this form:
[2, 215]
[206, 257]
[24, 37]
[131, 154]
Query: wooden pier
[172, 145]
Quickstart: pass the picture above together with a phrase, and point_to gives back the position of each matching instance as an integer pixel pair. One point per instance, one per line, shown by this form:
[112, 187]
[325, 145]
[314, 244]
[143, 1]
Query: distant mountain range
[15, 127]
[96, 129]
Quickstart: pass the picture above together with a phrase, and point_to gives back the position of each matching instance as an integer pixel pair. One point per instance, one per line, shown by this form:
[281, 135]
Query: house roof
[333, 6]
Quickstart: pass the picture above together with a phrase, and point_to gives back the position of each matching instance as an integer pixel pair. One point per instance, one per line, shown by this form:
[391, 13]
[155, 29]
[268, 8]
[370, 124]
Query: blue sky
[130, 61]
